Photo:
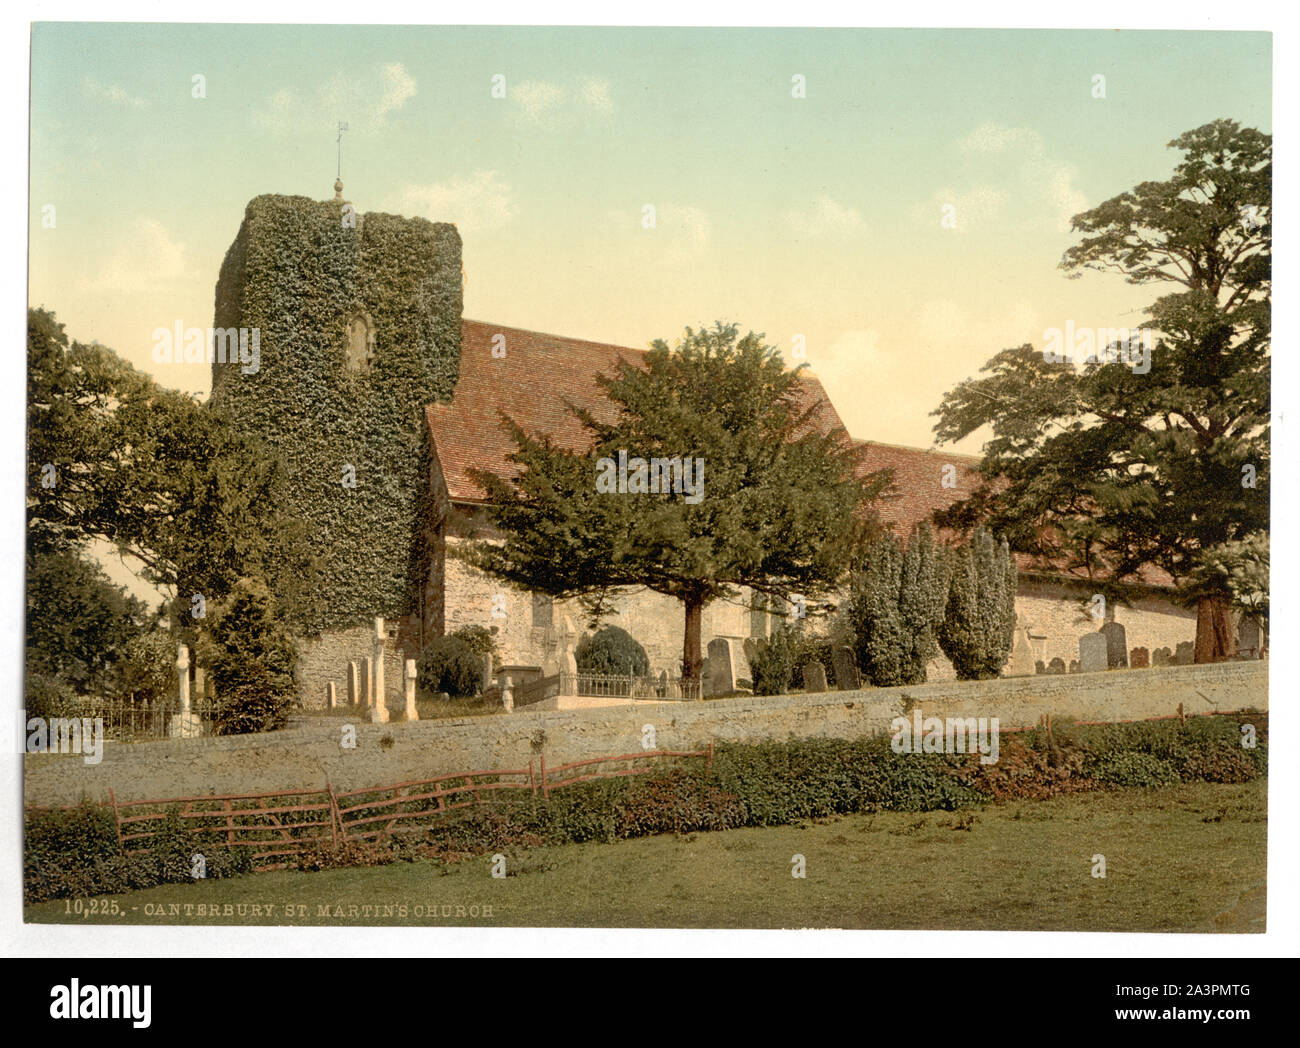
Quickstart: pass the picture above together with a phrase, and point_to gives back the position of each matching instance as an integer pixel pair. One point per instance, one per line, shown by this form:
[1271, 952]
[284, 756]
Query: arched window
[361, 343]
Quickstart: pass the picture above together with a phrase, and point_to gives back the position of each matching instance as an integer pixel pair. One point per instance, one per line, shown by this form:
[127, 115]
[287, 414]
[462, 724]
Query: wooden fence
[279, 826]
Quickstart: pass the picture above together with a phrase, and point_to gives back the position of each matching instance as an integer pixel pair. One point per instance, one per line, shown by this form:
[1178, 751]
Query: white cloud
[826, 218]
[551, 105]
[363, 102]
[479, 201]
[975, 208]
[115, 94]
[146, 257]
[681, 233]
[1038, 175]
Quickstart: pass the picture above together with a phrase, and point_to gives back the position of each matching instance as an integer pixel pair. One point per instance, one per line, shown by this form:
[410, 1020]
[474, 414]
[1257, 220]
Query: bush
[895, 605]
[1134, 769]
[979, 620]
[251, 655]
[450, 664]
[49, 697]
[777, 661]
[612, 651]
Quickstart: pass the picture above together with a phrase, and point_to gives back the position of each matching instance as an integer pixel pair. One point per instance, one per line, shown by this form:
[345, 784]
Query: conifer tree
[979, 620]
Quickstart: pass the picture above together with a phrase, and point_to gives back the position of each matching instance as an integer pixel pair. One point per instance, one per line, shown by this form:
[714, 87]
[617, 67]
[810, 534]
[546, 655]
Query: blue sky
[817, 216]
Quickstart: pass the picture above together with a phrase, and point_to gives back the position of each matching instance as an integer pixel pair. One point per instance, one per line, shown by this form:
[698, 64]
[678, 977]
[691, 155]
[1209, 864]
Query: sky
[820, 217]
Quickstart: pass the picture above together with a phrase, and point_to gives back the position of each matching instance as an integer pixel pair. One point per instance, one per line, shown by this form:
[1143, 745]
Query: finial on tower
[338, 181]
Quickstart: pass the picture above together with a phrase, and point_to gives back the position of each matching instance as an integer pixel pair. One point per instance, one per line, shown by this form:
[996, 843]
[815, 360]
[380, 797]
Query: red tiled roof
[540, 373]
[531, 384]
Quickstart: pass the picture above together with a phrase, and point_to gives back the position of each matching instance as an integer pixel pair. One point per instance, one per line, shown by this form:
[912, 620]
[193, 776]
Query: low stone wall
[305, 757]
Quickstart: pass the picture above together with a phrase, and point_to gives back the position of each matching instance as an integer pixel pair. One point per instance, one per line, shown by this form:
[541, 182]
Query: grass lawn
[1190, 858]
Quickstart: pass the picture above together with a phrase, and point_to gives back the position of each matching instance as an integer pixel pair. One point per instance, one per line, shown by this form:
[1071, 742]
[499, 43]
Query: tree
[979, 619]
[1118, 472]
[896, 603]
[776, 505]
[112, 455]
[1234, 574]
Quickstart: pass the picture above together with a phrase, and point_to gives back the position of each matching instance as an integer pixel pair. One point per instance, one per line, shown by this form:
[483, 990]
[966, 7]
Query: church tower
[358, 327]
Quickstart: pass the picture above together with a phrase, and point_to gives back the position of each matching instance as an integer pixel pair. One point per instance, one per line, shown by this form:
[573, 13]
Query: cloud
[1036, 174]
[363, 102]
[114, 94]
[552, 106]
[826, 218]
[477, 202]
[681, 233]
[976, 208]
[146, 257]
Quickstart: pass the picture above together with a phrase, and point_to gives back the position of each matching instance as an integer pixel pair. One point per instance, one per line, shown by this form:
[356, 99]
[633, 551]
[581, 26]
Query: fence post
[117, 822]
[708, 764]
[546, 792]
[532, 781]
[334, 814]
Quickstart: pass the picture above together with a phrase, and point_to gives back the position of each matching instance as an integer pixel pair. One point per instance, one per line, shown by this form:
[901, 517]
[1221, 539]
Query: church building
[381, 399]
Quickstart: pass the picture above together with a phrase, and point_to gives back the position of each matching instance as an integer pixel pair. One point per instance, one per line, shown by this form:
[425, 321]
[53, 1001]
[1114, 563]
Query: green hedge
[764, 784]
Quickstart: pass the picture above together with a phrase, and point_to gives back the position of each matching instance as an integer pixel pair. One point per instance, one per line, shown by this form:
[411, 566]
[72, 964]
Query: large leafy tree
[114, 456]
[779, 510]
[1116, 473]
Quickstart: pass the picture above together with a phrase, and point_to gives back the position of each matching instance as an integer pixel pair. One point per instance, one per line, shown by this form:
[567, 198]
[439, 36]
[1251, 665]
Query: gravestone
[367, 682]
[1185, 653]
[1057, 665]
[1116, 646]
[379, 693]
[331, 696]
[411, 713]
[1249, 637]
[1040, 666]
[1161, 657]
[1139, 658]
[725, 666]
[846, 669]
[1074, 665]
[1092, 653]
[354, 683]
[814, 678]
[184, 725]
[1022, 656]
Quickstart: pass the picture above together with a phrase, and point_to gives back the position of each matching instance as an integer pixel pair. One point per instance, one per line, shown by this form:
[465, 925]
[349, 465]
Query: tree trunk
[692, 653]
[1214, 641]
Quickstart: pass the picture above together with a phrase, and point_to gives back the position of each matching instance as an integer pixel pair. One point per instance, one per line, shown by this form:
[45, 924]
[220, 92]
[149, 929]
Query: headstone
[720, 673]
[508, 694]
[488, 679]
[1249, 637]
[355, 694]
[1161, 657]
[1057, 665]
[846, 669]
[367, 683]
[411, 713]
[1074, 665]
[184, 725]
[379, 704]
[1021, 663]
[1116, 645]
[1040, 666]
[1139, 658]
[814, 678]
[1092, 653]
[200, 682]
[1185, 653]
[331, 696]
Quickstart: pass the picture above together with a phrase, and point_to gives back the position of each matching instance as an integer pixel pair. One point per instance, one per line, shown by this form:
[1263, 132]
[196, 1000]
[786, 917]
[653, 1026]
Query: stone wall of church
[325, 658]
[525, 624]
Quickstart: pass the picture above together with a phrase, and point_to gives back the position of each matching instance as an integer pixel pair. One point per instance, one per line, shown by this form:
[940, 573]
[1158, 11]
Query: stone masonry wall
[304, 758]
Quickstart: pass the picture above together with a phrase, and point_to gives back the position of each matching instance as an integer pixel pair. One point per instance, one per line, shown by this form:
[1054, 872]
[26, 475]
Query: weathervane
[338, 181]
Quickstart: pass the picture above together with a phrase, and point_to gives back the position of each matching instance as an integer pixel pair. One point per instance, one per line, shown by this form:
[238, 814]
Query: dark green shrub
[776, 664]
[979, 619]
[1134, 769]
[613, 651]
[450, 664]
[896, 602]
[49, 697]
[251, 655]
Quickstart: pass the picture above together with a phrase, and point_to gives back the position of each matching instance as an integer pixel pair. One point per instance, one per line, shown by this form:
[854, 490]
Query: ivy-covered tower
[357, 323]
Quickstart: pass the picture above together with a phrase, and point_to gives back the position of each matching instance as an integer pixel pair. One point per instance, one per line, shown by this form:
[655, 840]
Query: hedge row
[768, 784]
